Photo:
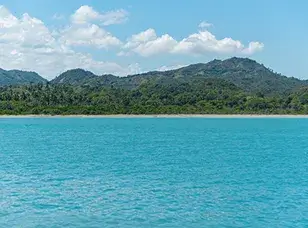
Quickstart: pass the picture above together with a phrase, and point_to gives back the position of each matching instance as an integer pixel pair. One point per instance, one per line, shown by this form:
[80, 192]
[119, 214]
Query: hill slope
[245, 73]
[17, 77]
[74, 77]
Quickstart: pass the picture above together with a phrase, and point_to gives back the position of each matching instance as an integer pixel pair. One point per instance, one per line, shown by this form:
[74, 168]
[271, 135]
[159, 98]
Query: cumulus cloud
[51, 62]
[205, 24]
[88, 35]
[204, 42]
[26, 31]
[253, 47]
[147, 43]
[7, 20]
[86, 14]
[27, 44]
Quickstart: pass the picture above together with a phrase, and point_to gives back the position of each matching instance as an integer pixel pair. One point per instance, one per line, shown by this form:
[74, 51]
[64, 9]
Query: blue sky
[126, 37]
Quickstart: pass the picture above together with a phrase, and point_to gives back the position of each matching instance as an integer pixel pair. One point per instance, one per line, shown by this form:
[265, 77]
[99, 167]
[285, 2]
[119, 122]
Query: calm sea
[153, 172]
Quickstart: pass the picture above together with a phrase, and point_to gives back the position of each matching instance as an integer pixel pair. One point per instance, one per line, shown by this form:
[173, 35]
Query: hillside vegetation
[17, 77]
[245, 73]
[233, 86]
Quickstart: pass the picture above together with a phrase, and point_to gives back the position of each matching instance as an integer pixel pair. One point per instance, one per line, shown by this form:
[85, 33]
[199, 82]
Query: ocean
[153, 172]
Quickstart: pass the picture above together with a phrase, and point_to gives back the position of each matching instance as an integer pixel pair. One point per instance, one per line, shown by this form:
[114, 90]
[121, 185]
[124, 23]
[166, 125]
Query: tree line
[208, 96]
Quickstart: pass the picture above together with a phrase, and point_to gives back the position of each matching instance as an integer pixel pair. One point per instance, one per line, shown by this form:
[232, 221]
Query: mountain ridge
[19, 77]
[245, 73]
[232, 86]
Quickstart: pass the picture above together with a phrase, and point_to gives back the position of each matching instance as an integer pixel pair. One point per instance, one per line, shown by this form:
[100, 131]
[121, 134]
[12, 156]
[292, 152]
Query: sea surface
[153, 172]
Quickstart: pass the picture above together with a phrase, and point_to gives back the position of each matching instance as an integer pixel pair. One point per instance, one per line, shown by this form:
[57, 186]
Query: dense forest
[233, 86]
[209, 96]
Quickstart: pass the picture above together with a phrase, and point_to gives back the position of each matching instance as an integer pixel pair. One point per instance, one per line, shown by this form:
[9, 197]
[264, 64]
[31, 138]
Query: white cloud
[88, 35]
[204, 42]
[85, 61]
[172, 67]
[253, 47]
[27, 44]
[7, 20]
[26, 31]
[142, 37]
[86, 14]
[162, 44]
[205, 24]
[147, 43]
[51, 62]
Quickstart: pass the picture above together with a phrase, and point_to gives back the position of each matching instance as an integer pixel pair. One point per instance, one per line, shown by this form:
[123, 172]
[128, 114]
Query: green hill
[245, 73]
[17, 77]
[232, 86]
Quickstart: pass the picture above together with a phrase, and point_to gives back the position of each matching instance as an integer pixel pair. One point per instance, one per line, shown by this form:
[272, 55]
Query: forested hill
[232, 86]
[17, 77]
[245, 73]
[199, 96]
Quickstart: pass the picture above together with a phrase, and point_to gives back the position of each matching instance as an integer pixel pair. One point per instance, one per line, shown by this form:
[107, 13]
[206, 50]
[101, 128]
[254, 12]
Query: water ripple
[66, 172]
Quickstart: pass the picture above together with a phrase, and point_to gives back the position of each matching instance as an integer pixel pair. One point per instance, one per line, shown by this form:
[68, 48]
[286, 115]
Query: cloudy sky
[127, 37]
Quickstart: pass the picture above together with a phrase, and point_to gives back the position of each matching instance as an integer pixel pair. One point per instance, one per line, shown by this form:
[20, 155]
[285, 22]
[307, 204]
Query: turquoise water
[74, 172]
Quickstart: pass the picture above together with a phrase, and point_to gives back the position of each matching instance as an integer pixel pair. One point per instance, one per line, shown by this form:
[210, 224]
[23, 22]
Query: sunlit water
[150, 172]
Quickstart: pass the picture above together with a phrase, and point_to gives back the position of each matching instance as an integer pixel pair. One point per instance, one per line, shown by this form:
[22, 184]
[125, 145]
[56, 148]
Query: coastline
[158, 116]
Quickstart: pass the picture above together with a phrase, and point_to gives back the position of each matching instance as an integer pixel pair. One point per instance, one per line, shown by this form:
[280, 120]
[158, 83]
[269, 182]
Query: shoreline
[158, 116]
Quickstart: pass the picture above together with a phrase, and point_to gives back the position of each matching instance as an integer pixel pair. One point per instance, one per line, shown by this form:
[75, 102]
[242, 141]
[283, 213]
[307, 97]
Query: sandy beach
[157, 116]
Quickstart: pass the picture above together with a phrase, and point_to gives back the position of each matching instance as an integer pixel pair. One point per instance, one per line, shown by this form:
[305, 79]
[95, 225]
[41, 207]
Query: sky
[127, 37]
